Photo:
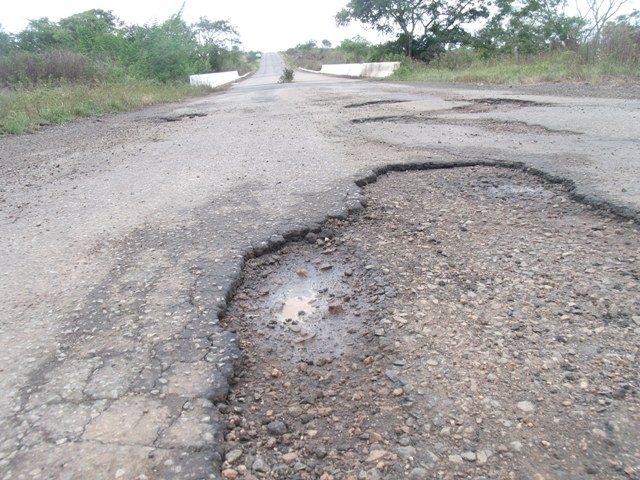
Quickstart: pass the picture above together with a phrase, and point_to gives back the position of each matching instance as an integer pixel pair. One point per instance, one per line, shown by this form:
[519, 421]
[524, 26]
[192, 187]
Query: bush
[56, 66]
[620, 44]
[356, 49]
[287, 75]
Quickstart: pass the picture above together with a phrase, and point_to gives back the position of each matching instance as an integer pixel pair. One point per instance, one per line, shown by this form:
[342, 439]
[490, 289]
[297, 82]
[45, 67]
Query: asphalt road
[271, 67]
[123, 236]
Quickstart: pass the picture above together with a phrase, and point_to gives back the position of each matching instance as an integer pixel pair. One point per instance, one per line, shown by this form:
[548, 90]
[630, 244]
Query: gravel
[488, 329]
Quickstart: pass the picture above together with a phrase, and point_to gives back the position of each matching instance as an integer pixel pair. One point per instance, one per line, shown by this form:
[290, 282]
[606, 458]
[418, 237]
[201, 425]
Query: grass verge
[560, 67]
[23, 110]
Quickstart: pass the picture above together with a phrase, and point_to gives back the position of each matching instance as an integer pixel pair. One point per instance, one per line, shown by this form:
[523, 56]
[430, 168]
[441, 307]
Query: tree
[422, 28]
[90, 31]
[218, 32]
[42, 34]
[166, 52]
[356, 49]
[326, 43]
[217, 41]
[529, 26]
[7, 42]
[598, 13]
[97, 40]
[620, 40]
[307, 46]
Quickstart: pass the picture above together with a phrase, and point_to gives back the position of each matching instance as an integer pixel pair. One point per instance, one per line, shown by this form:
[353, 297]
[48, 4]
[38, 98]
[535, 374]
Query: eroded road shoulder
[483, 325]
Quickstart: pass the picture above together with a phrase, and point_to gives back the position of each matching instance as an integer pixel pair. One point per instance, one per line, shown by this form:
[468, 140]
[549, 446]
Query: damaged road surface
[483, 325]
[124, 237]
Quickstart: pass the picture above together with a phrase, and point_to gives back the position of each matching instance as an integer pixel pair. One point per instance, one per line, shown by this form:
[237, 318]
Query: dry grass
[23, 110]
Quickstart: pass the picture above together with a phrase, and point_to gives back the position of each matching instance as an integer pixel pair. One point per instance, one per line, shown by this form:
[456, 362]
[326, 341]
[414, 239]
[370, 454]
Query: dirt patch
[483, 326]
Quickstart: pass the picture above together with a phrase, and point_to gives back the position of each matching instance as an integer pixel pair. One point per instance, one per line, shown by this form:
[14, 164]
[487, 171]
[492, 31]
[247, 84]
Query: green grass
[560, 67]
[23, 110]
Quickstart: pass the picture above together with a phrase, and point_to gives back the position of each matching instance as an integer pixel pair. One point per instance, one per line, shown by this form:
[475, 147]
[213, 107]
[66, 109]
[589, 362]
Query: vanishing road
[122, 238]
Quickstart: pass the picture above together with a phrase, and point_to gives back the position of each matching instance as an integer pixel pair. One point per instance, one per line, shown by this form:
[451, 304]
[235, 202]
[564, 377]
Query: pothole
[480, 105]
[488, 124]
[490, 104]
[182, 116]
[484, 326]
[375, 102]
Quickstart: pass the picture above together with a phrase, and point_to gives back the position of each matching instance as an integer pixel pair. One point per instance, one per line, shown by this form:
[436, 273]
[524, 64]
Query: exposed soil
[475, 106]
[470, 323]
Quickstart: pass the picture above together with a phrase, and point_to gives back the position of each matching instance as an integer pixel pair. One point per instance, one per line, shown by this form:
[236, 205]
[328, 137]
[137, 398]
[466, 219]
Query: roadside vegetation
[524, 41]
[287, 75]
[91, 63]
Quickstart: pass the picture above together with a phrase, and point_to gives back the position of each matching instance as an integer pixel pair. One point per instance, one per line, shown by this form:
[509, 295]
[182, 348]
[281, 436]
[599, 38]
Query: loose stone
[469, 456]
[259, 465]
[526, 406]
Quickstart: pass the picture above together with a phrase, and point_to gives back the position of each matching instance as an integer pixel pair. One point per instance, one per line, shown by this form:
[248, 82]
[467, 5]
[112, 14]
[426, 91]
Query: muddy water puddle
[307, 306]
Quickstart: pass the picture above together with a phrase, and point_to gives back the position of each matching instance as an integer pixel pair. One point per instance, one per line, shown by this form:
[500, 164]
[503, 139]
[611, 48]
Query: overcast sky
[267, 25]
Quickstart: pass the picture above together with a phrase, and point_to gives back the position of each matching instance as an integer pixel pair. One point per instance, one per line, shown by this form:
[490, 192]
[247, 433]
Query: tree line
[424, 30]
[95, 45]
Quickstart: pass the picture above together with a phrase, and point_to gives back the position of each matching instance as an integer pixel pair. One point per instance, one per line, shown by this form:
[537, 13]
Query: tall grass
[23, 109]
[562, 66]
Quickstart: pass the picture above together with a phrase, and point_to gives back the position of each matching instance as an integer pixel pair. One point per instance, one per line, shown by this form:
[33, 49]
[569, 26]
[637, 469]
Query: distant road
[272, 64]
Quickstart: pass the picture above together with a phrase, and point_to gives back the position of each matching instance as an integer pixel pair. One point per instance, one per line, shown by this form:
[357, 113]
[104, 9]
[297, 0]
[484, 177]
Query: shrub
[56, 66]
[287, 75]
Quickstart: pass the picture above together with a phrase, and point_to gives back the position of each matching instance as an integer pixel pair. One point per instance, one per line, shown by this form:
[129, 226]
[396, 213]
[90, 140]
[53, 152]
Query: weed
[287, 75]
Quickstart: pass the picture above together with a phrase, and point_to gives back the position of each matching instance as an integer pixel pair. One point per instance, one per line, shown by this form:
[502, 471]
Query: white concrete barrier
[374, 70]
[214, 79]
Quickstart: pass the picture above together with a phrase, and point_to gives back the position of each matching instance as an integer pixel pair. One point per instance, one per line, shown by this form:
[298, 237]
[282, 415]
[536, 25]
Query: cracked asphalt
[124, 236]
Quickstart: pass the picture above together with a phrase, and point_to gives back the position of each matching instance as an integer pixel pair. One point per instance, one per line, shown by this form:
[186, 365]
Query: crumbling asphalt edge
[355, 201]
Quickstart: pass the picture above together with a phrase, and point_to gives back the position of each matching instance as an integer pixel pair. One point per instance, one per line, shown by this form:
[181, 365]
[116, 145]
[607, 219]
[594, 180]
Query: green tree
[529, 26]
[166, 52]
[307, 46]
[97, 41]
[225, 60]
[7, 42]
[91, 31]
[422, 28]
[356, 49]
[41, 35]
[217, 44]
[216, 32]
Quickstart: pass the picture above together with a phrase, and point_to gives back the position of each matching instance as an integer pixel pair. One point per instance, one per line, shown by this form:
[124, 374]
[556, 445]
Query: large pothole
[506, 126]
[470, 323]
